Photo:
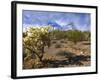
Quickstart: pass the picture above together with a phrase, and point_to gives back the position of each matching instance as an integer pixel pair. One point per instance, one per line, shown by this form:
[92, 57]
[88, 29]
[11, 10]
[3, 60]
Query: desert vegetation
[45, 47]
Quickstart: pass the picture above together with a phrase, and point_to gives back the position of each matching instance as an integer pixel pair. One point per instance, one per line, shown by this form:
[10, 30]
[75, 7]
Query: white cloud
[26, 26]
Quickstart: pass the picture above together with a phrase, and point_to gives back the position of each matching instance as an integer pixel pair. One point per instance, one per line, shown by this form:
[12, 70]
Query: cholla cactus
[36, 39]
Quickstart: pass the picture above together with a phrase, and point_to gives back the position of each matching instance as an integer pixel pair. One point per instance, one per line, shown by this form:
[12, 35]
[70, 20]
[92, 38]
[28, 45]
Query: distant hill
[55, 25]
[69, 26]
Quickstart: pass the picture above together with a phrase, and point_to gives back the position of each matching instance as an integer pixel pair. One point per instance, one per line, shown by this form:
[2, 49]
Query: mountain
[69, 26]
[55, 25]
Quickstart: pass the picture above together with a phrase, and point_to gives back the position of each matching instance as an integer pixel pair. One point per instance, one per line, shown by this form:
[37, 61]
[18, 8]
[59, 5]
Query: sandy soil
[80, 49]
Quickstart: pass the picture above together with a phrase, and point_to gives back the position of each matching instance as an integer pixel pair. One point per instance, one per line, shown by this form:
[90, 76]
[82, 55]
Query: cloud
[41, 18]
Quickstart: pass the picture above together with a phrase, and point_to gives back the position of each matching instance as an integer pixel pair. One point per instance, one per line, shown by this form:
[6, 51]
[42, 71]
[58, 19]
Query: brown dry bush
[58, 45]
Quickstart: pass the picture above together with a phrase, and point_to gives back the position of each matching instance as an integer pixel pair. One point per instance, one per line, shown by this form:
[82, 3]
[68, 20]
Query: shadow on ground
[70, 59]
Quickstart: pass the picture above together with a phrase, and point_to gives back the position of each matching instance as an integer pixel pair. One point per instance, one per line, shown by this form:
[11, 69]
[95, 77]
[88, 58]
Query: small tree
[35, 40]
[75, 35]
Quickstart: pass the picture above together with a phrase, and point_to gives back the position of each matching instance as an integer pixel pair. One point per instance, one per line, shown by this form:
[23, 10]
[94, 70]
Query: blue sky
[41, 18]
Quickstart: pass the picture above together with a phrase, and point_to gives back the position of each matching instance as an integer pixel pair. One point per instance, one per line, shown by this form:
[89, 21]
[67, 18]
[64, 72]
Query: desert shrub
[86, 43]
[58, 34]
[65, 41]
[65, 53]
[58, 45]
[75, 35]
[54, 42]
[62, 41]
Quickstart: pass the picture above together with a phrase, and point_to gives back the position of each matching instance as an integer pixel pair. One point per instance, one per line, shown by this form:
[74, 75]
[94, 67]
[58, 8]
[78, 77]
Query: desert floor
[63, 53]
